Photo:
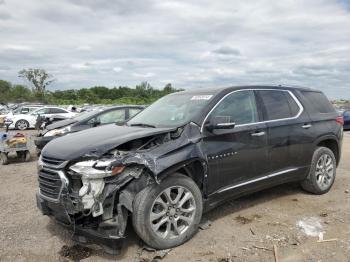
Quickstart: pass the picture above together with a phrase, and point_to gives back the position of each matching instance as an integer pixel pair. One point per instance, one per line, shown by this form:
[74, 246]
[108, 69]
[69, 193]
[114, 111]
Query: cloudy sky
[190, 43]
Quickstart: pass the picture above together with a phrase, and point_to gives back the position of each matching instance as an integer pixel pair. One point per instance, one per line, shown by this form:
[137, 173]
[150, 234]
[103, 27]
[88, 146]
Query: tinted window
[319, 102]
[133, 111]
[57, 111]
[41, 111]
[24, 110]
[278, 104]
[238, 107]
[112, 116]
[347, 114]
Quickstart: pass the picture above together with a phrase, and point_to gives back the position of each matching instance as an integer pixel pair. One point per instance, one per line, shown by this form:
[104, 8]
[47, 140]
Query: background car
[9, 112]
[25, 121]
[86, 120]
[346, 117]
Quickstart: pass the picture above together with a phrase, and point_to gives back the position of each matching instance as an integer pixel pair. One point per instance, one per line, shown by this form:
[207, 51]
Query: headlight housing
[93, 169]
[58, 132]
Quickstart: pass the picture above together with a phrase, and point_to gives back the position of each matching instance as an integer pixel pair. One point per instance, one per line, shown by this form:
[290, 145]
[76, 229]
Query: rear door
[57, 111]
[289, 133]
[236, 155]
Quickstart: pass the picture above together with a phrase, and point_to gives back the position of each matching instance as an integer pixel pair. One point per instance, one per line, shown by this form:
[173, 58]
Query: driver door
[238, 155]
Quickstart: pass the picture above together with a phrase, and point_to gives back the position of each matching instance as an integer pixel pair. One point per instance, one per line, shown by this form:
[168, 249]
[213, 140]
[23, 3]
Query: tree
[39, 78]
[168, 89]
[20, 93]
[5, 88]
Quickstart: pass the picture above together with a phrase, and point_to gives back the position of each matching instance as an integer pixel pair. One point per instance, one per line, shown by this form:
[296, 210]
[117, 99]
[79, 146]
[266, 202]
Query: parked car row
[116, 114]
[182, 156]
[23, 121]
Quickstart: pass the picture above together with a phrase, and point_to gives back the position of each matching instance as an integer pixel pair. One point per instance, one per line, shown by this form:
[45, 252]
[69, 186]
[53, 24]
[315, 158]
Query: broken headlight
[93, 169]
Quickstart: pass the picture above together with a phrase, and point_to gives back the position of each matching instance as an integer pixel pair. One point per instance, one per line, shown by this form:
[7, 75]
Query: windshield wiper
[144, 125]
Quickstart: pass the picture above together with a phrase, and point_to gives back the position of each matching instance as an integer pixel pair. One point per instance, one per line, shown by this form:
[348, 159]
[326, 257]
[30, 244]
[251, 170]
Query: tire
[26, 157]
[22, 124]
[4, 158]
[187, 222]
[322, 174]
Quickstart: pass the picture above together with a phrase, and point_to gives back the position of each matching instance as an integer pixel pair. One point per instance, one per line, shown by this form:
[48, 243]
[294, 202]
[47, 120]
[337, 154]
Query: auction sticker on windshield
[202, 97]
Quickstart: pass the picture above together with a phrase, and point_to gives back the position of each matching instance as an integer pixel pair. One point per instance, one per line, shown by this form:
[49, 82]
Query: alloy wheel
[22, 125]
[324, 171]
[172, 212]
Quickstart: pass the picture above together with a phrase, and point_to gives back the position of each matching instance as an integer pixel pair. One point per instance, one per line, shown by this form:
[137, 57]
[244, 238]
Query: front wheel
[322, 172]
[22, 124]
[166, 215]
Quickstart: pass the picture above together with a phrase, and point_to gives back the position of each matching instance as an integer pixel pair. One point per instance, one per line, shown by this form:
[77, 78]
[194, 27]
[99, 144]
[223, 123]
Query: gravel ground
[245, 229]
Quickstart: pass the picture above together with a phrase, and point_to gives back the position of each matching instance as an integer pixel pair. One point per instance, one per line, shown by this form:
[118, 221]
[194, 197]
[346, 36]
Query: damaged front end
[93, 193]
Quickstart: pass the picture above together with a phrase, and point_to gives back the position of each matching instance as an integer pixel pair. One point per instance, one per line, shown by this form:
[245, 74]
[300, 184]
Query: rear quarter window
[318, 101]
[278, 104]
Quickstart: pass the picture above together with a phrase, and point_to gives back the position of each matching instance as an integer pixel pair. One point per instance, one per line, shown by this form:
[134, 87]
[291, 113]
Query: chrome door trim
[301, 108]
[256, 180]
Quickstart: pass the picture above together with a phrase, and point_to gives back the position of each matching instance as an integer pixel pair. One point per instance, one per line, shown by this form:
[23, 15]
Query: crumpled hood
[96, 141]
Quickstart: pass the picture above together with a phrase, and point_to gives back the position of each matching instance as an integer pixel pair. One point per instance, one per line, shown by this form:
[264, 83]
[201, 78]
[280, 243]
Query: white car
[25, 121]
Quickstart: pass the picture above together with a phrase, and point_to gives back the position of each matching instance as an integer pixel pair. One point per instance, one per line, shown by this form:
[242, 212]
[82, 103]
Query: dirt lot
[241, 230]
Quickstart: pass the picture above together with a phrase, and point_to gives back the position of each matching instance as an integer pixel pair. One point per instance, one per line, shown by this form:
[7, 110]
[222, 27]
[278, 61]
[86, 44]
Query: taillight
[340, 120]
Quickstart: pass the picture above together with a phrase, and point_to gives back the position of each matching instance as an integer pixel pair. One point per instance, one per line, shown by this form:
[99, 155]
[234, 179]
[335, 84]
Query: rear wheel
[322, 172]
[22, 124]
[167, 214]
[4, 158]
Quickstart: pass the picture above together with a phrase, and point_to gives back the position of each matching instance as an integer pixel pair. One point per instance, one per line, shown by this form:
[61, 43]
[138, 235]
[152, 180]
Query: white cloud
[196, 43]
[16, 47]
[84, 48]
[145, 75]
[117, 69]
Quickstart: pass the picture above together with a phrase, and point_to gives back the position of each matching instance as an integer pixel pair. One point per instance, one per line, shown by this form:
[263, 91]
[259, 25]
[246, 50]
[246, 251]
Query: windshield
[171, 111]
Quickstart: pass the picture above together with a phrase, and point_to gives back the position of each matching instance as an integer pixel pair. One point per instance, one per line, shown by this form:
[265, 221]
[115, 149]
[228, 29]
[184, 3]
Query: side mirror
[220, 122]
[94, 122]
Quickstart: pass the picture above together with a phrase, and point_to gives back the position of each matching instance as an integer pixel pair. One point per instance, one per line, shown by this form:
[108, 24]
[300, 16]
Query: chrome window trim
[256, 180]
[301, 108]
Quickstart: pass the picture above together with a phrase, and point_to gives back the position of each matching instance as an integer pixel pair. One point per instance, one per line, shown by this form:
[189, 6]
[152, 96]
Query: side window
[319, 101]
[238, 107]
[347, 113]
[41, 111]
[31, 109]
[133, 111]
[57, 111]
[278, 104]
[112, 116]
[24, 110]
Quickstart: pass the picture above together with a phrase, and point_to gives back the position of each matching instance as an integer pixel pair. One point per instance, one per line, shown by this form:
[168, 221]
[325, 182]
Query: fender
[196, 168]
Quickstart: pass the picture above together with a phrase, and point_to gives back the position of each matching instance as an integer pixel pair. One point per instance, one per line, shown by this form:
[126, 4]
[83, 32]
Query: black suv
[185, 154]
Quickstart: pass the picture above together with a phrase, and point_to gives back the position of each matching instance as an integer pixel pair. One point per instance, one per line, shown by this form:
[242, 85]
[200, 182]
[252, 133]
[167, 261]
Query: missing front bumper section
[97, 230]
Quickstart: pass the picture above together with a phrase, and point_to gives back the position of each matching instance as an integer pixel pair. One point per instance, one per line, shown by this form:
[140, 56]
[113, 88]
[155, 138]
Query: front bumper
[84, 234]
[69, 212]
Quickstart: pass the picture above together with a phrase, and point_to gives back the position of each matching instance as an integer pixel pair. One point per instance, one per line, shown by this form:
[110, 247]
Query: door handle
[261, 133]
[306, 126]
